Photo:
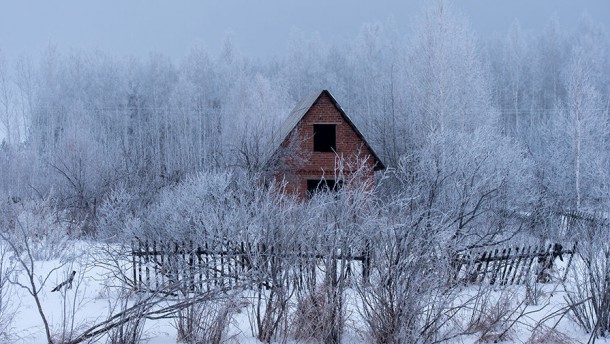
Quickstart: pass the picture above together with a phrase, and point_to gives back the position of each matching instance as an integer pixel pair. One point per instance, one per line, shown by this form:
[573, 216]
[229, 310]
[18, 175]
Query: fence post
[155, 264]
[515, 269]
[176, 265]
[191, 267]
[200, 266]
[242, 257]
[221, 274]
[236, 263]
[532, 252]
[572, 253]
[507, 262]
[162, 267]
[140, 282]
[299, 277]
[366, 261]
[133, 261]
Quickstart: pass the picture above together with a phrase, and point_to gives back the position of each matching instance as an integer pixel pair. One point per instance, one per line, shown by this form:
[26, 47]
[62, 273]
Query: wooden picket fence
[191, 268]
[512, 265]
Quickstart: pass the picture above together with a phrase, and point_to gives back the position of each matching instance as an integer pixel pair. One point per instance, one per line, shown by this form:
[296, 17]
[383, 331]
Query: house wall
[315, 165]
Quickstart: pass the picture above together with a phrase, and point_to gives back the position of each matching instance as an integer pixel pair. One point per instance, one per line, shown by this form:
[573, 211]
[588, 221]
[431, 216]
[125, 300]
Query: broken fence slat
[515, 271]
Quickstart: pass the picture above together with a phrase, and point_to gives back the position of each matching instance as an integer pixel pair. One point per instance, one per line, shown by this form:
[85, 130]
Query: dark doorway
[323, 185]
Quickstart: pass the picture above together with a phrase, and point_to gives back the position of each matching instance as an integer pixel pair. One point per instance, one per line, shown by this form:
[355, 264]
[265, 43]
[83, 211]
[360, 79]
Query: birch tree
[447, 82]
[6, 101]
[576, 169]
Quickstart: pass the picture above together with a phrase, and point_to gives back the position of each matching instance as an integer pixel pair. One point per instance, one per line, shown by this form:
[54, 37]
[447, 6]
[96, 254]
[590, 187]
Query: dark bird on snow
[66, 282]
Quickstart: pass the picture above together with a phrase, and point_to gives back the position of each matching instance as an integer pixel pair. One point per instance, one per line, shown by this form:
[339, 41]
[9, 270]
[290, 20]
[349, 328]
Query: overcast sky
[259, 28]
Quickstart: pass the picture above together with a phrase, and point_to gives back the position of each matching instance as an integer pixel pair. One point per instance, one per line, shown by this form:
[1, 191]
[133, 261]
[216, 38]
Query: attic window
[323, 185]
[324, 137]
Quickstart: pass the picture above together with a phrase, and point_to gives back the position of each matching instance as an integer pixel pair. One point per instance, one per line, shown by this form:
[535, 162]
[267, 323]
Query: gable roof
[299, 111]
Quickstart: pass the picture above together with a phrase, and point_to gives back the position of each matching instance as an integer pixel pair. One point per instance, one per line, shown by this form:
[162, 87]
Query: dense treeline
[81, 126]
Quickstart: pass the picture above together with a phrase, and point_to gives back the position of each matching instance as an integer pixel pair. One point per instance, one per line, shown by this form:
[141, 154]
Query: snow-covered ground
[94, 296]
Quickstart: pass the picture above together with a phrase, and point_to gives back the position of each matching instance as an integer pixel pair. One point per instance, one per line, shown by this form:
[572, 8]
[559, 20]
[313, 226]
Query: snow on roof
[294, 117]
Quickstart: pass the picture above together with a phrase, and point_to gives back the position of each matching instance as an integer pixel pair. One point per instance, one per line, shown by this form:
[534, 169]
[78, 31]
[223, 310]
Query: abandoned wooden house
[318, 148]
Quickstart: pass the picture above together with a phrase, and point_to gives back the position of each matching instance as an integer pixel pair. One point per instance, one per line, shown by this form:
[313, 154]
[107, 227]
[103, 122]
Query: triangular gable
[299, 111]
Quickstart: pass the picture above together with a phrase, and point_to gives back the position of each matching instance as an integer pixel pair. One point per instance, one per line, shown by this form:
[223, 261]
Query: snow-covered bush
[130, 331]
[319, 315]
[206, 322]
[116, 210]
[407, 294]
[7, 303]
[493, 313]
[36, 231]
[43, 226]
[548, 335]
[476, 184]
[204, 205]
[588, 286]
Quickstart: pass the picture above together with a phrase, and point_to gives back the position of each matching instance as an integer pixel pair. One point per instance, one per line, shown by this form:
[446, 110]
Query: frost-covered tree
[550, 52]
[304, 64]
[197, 105]
[448, 86]
[513, 81]
[256, 106]
[377, 100]
[474, 185]
[6, 102]
[577, 168]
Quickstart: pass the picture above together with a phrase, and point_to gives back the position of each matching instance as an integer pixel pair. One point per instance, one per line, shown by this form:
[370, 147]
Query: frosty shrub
[533, 291]
[7, 307]
[588, 287]
[407, 295]
[115, 211]
[493, 313]
[274, 225]
[127, 332]
[223, 210]
[30, 237]
[272, 297]
[319, 317]
[548, 335]
[448, 196]
[339, 225]
[205, 205]
[461, 182]
[48, 234]
[206, 322]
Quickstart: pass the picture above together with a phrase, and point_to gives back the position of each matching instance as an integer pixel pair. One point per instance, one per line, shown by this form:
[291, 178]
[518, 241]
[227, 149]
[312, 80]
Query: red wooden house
[320, 148]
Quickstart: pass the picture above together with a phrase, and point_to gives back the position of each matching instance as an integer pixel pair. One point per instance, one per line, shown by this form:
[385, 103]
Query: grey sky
[259, 28]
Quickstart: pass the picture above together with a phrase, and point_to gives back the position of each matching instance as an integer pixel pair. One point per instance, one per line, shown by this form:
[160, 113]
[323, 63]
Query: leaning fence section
[191, 267]
[574, 220]
[514, 265]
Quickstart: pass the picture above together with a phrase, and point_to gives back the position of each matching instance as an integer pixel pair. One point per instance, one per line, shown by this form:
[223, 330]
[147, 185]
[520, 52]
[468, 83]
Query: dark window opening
[323, 185]
[324, 138]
